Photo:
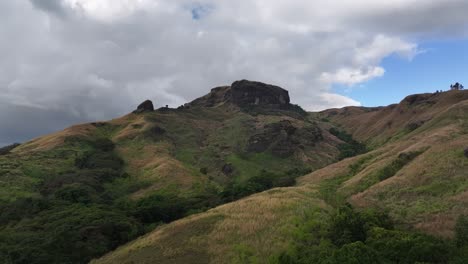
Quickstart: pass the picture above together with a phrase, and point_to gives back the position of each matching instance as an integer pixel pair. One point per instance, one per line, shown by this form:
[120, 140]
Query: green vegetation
[350, 236]
[350, 147]
[263, 181]
[7, 149]
[388, 171]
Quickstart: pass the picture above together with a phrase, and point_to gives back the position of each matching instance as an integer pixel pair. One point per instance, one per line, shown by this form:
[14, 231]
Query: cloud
[352, 76]
[97, 59]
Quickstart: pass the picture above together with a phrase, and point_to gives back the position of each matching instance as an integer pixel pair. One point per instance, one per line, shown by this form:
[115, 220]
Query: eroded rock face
[282, 139]
[146, 106]
[247, 93]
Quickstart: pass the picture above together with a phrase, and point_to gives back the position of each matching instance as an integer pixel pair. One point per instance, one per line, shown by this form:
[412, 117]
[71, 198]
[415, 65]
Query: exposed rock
[227, 169]
[283, 139]
[146, 106]
[275, 132]
[245, 93]
[466, 152]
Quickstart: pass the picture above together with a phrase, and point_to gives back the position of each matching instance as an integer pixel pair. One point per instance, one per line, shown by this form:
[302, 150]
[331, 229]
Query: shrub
[396, 165]
[351, 147]
[7, 149]
[72, 234]
[76, 193]
[160, 207]
[461, 231]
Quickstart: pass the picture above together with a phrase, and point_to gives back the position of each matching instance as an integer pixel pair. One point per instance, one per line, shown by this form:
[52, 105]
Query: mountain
[83, 191]
[416, 171]
[273, 175]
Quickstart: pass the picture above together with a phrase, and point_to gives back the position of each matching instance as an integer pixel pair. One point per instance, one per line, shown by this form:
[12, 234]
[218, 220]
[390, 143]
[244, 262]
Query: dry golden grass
[377, 126]
[56, 139]
[259, 225]
[153, 163]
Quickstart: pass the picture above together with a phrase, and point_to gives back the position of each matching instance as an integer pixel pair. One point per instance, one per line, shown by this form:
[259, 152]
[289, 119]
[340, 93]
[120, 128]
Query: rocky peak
[246, 93]
[146, 106]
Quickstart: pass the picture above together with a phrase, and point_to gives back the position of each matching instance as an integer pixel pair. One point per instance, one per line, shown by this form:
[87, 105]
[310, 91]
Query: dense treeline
[369, 236]
[263, 181]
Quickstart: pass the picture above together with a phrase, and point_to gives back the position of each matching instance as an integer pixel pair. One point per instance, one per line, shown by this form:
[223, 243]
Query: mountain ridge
[221, 151]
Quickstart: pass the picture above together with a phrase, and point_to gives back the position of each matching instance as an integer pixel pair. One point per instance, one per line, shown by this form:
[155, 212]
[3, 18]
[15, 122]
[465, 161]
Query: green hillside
[85, 190]
[241, 175]
[402, 202]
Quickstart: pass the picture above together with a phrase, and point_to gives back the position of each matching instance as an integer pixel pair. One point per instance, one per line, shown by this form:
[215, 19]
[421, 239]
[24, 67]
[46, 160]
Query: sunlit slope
[254, 228]
[378, 125]
[421, 178]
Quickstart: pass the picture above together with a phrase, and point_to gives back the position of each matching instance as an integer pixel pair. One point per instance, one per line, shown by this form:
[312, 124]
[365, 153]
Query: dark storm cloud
[52, 6]
[109, 55]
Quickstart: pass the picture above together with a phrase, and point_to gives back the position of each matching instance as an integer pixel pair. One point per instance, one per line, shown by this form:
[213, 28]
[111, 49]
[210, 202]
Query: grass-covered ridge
[217, 184]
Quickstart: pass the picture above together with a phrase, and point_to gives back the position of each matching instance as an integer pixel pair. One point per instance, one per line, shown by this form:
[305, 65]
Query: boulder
[227, 169]
[146, 106]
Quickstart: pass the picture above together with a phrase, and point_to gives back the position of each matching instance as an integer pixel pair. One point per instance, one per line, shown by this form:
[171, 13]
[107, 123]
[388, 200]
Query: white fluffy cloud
[96, 59]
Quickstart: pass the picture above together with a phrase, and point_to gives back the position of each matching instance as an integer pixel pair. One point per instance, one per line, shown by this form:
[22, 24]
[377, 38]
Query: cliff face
[246, 93]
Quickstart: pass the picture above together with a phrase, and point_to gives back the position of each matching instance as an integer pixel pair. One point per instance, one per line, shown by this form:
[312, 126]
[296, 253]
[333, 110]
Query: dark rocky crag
[246, 94]
[146, 106]
[283, 139]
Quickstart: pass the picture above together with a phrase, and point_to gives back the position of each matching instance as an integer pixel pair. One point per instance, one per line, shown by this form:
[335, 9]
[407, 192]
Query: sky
[70, 61]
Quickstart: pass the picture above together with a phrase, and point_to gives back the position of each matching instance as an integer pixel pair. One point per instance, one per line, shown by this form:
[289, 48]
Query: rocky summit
[146, 106]
[256, 93]
[246, 93]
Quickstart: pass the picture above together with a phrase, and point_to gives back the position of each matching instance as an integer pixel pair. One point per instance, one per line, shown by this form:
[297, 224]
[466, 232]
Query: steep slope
[112, 181]
[377, 125]
[418, 175]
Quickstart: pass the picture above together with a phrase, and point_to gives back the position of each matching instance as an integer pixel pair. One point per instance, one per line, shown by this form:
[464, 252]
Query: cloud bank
[68, 61]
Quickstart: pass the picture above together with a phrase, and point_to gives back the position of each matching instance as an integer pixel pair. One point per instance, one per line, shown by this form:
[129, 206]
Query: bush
[366, 237]
[263, 181]
[76, 193]
[160, 207]
[461, 231]
[396, 165]
[72, 234]
[7, 149]
[351, 147]
[355, 253]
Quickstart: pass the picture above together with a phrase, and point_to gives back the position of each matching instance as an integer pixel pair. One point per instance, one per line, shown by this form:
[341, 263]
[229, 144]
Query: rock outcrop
[146, 106]
[282, 139]
[246, 94]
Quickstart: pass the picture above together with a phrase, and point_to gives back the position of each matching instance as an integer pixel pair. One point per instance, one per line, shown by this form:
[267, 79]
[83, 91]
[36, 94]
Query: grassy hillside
[414, 180]
[83, 191]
